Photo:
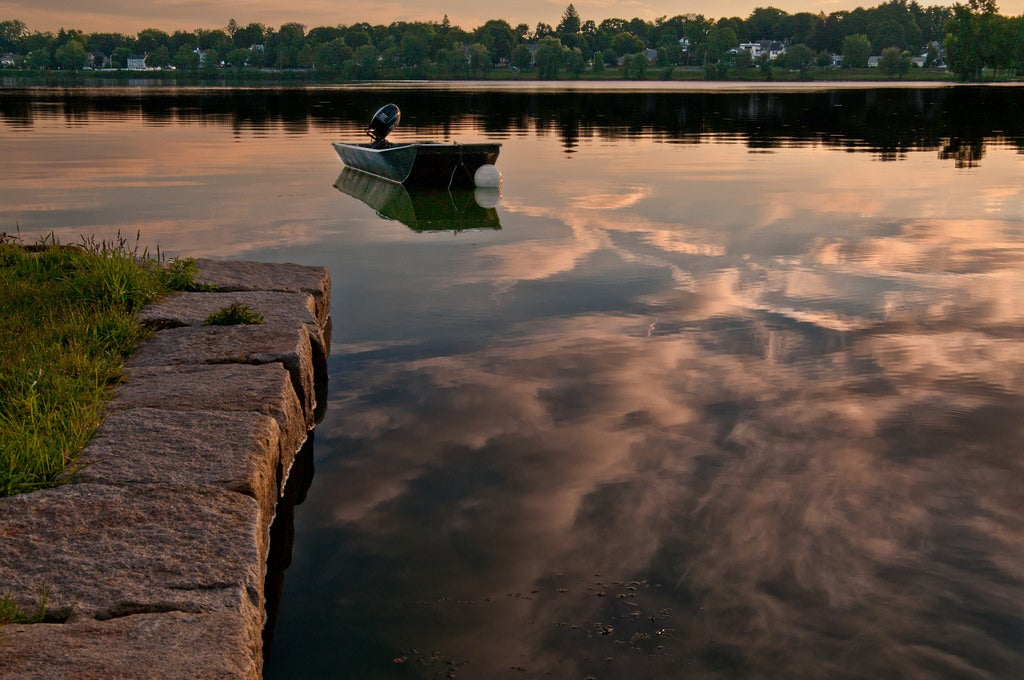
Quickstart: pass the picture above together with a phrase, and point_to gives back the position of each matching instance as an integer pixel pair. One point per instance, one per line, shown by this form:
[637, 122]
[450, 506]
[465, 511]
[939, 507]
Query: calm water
[724, 384]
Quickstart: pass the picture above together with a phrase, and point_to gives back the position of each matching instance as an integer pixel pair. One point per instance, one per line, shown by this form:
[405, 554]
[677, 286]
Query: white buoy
[487, 176]
[487, 197]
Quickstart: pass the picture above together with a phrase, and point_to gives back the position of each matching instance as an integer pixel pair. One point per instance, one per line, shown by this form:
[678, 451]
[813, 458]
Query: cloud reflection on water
[806, 462]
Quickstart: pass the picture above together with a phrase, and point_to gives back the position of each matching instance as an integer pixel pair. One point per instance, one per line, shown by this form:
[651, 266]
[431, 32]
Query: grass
[235, 314]
[10, 612]
[67, 322]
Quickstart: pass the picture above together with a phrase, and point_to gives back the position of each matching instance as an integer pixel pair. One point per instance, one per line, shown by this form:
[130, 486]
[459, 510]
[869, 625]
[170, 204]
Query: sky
[126, 16]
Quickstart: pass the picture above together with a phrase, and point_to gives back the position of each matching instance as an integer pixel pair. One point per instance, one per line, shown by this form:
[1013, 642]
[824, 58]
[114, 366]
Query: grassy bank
[67, 322]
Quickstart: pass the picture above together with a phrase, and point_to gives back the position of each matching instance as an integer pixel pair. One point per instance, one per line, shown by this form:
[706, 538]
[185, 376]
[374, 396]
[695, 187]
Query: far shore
[497, 79]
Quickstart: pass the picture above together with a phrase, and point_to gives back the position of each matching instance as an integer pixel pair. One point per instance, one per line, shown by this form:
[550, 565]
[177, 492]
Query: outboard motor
[383, 122]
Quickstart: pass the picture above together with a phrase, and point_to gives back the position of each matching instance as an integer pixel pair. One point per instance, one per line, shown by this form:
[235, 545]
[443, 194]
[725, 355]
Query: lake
[724, 383]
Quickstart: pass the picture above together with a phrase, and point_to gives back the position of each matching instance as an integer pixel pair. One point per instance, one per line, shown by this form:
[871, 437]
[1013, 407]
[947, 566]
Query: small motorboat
[420, 164]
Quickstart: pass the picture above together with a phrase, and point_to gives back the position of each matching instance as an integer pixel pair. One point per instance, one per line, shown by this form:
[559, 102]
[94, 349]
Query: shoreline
[155, 555]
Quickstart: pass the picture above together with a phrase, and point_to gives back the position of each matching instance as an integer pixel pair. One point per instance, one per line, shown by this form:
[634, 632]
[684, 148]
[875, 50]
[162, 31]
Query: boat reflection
[423, 209]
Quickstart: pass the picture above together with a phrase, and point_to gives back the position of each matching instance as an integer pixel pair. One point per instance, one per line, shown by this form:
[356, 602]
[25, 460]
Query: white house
[136, 63]
[771, 48]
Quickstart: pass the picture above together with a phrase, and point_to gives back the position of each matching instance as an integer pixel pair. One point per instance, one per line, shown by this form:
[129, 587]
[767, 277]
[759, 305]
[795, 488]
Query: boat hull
[421, 164]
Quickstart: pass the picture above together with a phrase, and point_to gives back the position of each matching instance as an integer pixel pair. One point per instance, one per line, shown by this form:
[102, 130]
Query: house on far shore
[772, 48]
[98, 60]
[136, 63]
[873, 62]
[9, 60]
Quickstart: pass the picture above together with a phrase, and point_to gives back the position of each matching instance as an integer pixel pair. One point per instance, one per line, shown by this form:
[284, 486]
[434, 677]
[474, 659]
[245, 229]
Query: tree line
[972, 39]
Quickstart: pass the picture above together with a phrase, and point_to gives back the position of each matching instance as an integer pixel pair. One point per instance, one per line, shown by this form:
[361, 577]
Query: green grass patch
[67, 322]
[235, 314]
[10, 612]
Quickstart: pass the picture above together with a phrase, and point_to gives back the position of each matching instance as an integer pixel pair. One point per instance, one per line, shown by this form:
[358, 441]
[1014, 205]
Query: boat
[418, 164]
[421, 164]
[423, 209]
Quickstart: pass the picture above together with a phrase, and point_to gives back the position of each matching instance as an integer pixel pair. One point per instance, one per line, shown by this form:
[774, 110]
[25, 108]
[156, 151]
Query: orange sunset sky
[125, 16]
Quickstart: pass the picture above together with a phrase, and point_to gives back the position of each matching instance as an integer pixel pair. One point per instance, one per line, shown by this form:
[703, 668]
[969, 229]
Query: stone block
[104, 552]
[235, 450]
[141, 646]
[237, 275]
[265, 389]
[279, 309]
[288, 345]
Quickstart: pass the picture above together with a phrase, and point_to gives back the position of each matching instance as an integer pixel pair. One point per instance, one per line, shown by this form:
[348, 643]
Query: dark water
[723, 384]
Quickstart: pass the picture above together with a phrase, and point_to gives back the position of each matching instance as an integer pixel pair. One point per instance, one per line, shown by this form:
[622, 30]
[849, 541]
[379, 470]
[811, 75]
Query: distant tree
[895, 23]
[38, 59]
[70, 56]
[765, 23]
[38, 41]
[180, 38]
[119, 57]
[641, 29]
[151, 39]
[450, 62]
[186, 58]
[575, 64]
[480, 59]
[543, 30]
[364, 61]
[549, 57]
[895, 63]
[158, 58]
[415, 48]
[323, 34]
[720, 41]
[570, 24]
[634, 66]
[217, 40]
[239, 58]
[11, 33]
[964, 48]
[799, 57]
[498, 37]
[799, 28]
[856, 51]
[829, 33]
[568, 30]
[521, 57]
[598, 65]
[283, 47]
[627, 66]
[744, 60]
[211, 60]
[612, 25]
[105, 43]
[933, 23]
[253, 34]
[626, 43]
[357, 38]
